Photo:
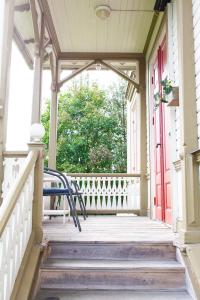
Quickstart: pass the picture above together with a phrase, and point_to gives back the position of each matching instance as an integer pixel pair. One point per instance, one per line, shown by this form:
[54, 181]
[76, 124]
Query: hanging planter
[170, 94]
[173, 97]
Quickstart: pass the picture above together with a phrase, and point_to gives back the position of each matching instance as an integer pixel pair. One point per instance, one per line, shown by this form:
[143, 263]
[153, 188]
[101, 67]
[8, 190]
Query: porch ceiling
[79, 30]
[79, 35]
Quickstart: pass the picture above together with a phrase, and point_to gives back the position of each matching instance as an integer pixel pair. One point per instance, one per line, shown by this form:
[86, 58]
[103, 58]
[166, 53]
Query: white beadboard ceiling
[79, 30]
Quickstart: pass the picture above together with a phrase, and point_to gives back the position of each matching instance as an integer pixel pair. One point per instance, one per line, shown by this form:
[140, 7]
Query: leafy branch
[166, 90]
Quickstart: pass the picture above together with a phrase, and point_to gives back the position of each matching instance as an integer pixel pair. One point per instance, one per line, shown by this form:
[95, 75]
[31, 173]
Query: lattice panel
[110, 193]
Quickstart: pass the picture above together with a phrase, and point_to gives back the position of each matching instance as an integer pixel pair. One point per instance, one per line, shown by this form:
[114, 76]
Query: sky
[20, 97]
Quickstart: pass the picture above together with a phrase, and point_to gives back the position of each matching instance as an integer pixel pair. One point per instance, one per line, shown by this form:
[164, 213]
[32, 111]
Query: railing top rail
[13, 154]
[11, 199]
[103, 175]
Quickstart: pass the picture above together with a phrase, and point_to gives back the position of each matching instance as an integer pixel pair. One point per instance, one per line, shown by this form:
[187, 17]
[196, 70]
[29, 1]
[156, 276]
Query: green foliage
[91, 134]
[166, 90]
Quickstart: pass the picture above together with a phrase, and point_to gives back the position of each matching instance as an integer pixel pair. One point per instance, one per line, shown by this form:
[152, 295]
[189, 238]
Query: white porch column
[37, 85]
[53, 111]
[6, 32]
[53, 127]
[143, 139]
[190, 228]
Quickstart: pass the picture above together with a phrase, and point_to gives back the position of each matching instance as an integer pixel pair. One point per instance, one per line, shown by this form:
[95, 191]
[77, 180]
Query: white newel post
[38, 192]
[190, 228]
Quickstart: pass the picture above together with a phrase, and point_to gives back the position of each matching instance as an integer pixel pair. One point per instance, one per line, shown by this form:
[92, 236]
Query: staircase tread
[111, 264]
[110, 295]
[121, 243]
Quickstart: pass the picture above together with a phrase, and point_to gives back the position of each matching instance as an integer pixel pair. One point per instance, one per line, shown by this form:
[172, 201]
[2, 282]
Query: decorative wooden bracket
[22, 7]
[120, 73]
[35, 21]
[60, 83]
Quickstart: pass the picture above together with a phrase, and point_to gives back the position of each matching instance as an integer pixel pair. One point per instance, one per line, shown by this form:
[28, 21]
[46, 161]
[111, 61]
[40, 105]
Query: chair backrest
[56, 175]
[60, 175]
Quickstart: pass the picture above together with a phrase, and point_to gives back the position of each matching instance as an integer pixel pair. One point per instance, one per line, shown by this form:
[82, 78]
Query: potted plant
[170, 94]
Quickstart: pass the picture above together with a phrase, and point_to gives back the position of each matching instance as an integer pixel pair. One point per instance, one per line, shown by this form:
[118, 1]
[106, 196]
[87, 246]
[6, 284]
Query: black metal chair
[79, 195]
[74, 189]
[64, 191]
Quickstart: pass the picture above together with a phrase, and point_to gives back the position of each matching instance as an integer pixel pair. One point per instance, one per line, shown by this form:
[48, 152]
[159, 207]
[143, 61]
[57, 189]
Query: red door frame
[162, 166]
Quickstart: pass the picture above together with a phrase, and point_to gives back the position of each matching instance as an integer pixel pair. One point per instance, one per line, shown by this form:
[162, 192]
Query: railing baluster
[16, 223]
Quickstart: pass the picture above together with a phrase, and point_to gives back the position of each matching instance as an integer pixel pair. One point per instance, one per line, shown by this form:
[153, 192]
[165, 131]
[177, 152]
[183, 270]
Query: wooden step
[111, 295]
[111, 264]
[113, 250]
[112, 275]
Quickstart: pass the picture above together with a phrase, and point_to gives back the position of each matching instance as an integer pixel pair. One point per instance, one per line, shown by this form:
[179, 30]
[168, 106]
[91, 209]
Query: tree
[89, 136]
[118, 108]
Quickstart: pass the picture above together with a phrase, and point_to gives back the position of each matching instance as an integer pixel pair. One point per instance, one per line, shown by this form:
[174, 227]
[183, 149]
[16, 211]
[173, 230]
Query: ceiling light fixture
[49, 48]
[98, 66]
[103, 11]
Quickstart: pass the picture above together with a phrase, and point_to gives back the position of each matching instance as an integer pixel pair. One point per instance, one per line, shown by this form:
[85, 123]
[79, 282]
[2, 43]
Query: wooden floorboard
[108, 228]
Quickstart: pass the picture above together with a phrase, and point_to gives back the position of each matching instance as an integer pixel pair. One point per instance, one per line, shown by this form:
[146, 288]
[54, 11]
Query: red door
[161, 141]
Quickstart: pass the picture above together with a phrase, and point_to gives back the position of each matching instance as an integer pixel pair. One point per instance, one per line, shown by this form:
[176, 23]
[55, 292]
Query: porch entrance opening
[91, 142]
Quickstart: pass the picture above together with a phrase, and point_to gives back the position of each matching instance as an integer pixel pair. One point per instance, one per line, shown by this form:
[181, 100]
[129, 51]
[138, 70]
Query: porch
[109, 229]
[52, 257]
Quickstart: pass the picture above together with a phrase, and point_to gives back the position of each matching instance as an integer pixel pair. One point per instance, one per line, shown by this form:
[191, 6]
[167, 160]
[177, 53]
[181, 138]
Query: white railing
[16, 225]
[109, 192]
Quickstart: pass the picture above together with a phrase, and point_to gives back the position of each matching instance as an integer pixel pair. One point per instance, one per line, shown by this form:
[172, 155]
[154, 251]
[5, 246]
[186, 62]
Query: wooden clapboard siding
[173, 67]
[175, 44]
[196, 30]
[176, 75]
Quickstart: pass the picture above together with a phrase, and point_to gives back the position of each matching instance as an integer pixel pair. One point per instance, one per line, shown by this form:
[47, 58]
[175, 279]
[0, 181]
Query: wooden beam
[22, 7]
[29, 41]
[71, 67]
[50, 25]
[120, 73]
[35, 21]
[151, 30]
[100, 56]
[22, 47]
[60, 83]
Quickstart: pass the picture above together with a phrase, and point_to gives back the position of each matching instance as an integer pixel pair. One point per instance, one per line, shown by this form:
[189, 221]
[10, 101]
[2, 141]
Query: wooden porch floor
[108, 228]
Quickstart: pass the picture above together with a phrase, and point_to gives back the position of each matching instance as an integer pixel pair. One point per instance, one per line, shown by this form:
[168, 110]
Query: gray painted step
[113, 265]
[115, 251]
[112, 295]
[112, 275]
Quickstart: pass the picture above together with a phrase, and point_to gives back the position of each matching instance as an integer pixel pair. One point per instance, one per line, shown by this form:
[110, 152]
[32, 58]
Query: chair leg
[83, 206]
[75, 197]
[72, 211]
[75, 212]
